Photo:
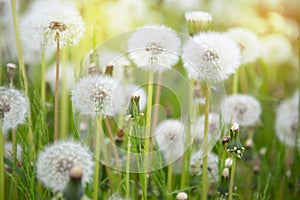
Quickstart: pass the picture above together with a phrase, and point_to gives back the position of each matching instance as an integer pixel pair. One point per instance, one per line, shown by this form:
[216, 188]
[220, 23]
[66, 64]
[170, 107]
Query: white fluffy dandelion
[170, 137]
[211, 57]
[14, 107]
[212, 165]
[154, 48]
[242, 109]
[55, 162]
[44, 21]
[247, 41]
[66, 71]
[287, 120]
[213, 129]
[97, 95]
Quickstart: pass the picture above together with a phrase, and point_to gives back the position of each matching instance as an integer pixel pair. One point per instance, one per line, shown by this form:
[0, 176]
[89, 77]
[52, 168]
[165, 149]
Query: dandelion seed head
[211, 57]
[200, 16]
[14, 107]
[154, 48]
[287, 119]
[212, 165]
[97, 95]
[243, 109]
[182, 196]
[247, 41]
[170, 137]
[55, 162]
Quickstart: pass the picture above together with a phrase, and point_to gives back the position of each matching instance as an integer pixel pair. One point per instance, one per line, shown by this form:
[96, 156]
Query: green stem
[231, 184]
[204, 169]
[186, 157]
[97, 157]
[169, 180]
[56, 96]
[235, 86]
[298, 131]
[43, 83]
[147, 132]
[127, 183]
[19, 47]
[2, 184]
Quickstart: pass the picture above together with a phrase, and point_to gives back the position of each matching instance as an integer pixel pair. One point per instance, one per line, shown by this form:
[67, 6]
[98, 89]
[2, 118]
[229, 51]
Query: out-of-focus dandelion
[211, 57]
[55, 162]
[170, 137]
[182, 196]
[247, 41]
[242, 109]
[213, 129]
[97, 95]
[14, 107]
[212, 165]
[154, 48]
[287, 120]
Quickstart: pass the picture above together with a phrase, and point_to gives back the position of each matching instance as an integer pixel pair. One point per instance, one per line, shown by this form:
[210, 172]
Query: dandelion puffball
[211, 57]
[154, 48]
[55, 162]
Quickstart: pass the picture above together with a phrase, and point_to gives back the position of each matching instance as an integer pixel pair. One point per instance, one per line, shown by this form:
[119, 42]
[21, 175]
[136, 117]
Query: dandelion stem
[298, 128]
[186, 158]
[56, 97]
[231, 183]
[97, 157]
[148, 130]
[235, 86]
[169, 180]
[204, 170]
[2, 184]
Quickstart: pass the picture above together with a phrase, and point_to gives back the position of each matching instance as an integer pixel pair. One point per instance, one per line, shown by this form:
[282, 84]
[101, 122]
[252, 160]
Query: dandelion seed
[154, 48]
[211, 57]
[14, 107]
[55, 162]
[241, 108]
[170, 137]
[247, 41]
[212, 165]
[287, 119]
[97, 95]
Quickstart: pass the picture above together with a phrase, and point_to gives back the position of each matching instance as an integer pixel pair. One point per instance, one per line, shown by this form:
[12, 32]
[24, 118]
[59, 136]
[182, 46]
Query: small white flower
[47, 19]
[212, 165]
[228, 162]
[154, 48]
[170, 137]
[287, 120]
[213, 129]
[275, 44]
[55, 162]
[97, 95]
[66, 71]
[14, 108]
[242, 109]
[247, 41]
[211, 57]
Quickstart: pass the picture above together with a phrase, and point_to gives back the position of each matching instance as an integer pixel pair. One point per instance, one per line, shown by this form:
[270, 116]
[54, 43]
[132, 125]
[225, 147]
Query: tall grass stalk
[43, 82]
[204, 170]
[231, 183]
[56, 93]
[235, 85]
[169, 180]
[128, 159]
[2, 184]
